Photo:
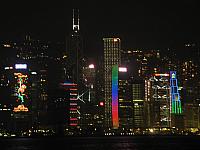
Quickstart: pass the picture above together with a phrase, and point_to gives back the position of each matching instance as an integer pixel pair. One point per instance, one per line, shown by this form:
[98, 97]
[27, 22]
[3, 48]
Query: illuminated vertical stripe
[115, 119]
[175, 97]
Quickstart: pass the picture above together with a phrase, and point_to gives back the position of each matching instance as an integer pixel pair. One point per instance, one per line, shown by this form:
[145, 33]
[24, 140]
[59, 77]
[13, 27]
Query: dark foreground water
[103, 143]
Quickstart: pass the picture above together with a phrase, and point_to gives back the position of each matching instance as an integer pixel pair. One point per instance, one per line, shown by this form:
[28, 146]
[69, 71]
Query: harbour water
[103, 143]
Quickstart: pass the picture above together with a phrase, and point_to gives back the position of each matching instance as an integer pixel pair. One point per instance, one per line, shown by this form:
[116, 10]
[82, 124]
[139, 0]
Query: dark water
[103, 143]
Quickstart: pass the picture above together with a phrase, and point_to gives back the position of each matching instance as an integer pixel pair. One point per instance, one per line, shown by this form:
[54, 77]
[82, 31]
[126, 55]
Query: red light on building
[101, 104]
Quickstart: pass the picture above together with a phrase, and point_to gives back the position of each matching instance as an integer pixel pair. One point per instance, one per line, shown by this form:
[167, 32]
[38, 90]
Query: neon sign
[20, 108]
[21, 91]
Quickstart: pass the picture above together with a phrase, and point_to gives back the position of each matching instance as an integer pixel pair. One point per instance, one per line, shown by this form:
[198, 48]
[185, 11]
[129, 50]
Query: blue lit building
[175, 97]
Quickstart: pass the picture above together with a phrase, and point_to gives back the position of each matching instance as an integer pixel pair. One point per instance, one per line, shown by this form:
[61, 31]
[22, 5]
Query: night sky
[140, 24]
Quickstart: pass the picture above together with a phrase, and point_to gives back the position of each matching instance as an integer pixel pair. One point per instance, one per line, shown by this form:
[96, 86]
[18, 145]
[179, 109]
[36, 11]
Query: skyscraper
[75, 51]
[125, 100]
[112, 55]
[138, 103]
[157, 98]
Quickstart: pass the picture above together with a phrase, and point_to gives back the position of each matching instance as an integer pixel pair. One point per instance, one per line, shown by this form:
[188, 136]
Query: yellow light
[7, 45]
[65, 56]
[116, 39]
[151, 130]
[138, 100]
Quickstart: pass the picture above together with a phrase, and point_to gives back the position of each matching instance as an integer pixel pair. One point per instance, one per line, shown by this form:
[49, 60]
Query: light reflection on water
[101, 143]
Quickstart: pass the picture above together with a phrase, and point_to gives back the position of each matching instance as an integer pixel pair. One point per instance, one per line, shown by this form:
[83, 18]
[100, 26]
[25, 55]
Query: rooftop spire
[76, 20]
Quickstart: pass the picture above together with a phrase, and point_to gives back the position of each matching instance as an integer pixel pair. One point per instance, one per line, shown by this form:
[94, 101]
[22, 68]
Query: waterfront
[103, 143]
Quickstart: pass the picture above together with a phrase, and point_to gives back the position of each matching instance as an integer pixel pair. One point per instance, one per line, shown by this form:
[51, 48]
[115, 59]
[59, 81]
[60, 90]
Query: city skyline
[139, 25]
[145, 79]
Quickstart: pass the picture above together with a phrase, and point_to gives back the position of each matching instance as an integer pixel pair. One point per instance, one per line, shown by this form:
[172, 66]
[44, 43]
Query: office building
[75, 63]
[112, 55]
[125, 104]
[74, 108]
[139, 119]
[157, 99]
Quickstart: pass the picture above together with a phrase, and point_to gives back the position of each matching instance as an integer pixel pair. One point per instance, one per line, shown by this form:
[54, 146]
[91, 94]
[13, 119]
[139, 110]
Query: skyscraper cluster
[51, 88]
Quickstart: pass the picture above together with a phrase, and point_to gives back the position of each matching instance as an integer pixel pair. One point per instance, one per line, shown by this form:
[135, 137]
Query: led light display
[20, 66]
[175, 97]
[21, 91]
[20, 108]
[115, 118]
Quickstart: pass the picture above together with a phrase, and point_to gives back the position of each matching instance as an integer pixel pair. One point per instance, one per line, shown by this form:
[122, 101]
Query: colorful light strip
[21, 87]
[68, 84]
[115, 118]
[21, 92]
[164, 75]
[175, 98]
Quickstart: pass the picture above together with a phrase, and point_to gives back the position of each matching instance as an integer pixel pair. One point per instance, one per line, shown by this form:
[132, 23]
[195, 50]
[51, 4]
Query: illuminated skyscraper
[89, 81]
[75, 52]
[138, 103]
[88, 98]
[157, 99]
[5, 96]
[112, 55]
[125, 100]
[176, 103]
[22, 110]
[176, 107]
[74, 109]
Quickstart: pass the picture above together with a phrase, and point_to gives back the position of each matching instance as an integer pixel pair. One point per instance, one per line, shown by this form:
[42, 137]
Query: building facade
[158, 102]
[112, 47]
[75, 61]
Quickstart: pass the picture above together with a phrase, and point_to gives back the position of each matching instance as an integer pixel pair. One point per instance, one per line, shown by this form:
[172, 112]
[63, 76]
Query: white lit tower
[75, 52]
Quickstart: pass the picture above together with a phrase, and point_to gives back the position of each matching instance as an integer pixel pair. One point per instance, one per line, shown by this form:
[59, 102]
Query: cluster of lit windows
[189, 70]
[112, 48]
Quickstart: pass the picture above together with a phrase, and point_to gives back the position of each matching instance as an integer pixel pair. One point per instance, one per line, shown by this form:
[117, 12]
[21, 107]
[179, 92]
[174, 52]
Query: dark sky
[140, 24]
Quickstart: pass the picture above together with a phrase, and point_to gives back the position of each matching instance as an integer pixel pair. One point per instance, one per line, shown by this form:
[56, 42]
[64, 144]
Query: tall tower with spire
[75, 51]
